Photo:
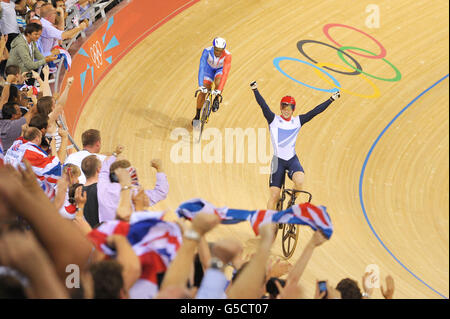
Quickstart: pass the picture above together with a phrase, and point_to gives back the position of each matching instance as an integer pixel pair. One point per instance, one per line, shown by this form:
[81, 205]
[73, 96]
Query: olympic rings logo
[96, 54]
[353, 68]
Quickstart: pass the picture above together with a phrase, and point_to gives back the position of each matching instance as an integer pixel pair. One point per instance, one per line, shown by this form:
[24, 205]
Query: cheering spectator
[65, 194]
[23, 197]
[92, 144]
[91, 166]
[214, 281]
[37, 8]
[179, 270]
[108, 188]
[24, 51]
[18, 80]
[50, 34]
[46, 167]
[12, 122]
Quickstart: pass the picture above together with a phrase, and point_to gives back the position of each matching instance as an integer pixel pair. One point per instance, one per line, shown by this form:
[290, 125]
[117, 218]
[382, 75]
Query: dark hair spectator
[45, 105]
[108, 280]
[32, 27]
[12, 69]
[13, 94]
[11, 288]
[39, 121]
[9, 110]
[349, 289]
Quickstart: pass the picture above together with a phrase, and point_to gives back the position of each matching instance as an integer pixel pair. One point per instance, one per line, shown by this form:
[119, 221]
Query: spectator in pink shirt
[50, 34]
[109, 192]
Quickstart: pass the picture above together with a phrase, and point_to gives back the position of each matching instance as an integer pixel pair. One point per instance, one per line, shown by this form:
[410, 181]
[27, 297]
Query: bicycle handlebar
[291, 192]
[209, 92]
[196, 92]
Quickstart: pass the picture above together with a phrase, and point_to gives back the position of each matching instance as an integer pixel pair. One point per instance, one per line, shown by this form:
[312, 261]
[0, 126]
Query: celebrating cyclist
[215, 65]
[284, 129]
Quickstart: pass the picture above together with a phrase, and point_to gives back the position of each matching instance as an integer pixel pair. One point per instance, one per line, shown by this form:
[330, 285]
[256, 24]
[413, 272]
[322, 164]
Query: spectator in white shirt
[8, 21]
[91, 146]
[52, 35]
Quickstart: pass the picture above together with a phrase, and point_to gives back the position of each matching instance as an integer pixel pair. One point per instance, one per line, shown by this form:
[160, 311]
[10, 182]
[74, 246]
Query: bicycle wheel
[289, 239]
[204, 116]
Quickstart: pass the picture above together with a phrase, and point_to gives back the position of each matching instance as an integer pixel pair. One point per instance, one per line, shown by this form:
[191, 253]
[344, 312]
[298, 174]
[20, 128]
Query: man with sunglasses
[284, 130]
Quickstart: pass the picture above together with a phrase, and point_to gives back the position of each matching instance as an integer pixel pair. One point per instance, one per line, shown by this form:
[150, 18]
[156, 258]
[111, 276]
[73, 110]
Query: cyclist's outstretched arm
[268, 114]
[304, 118]
[201, 69]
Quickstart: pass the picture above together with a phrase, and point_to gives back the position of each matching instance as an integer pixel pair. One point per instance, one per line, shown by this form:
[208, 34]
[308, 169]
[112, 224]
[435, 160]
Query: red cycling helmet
[288, 100]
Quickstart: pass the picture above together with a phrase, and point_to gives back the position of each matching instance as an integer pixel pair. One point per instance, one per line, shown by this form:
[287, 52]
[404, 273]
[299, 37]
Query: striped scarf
[305, 214]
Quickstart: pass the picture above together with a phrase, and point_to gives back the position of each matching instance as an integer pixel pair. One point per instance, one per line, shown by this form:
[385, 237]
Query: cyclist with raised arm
[215, 65]
[284, 129]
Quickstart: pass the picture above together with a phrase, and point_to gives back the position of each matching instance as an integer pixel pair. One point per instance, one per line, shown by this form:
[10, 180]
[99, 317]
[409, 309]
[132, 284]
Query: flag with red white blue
[153, 240]
[305, 214]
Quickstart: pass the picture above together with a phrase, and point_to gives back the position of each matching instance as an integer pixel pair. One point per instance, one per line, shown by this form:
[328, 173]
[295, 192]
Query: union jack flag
[45, 167]
[306, 214]
[153, 240]
[63, 54]
[14, 154]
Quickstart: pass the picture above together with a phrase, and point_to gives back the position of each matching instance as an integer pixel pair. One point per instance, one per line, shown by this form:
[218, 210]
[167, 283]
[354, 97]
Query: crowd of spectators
[60, 208]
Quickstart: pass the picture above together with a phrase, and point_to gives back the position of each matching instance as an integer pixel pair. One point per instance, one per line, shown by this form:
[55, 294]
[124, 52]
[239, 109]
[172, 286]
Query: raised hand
[335, 95]
[63, 133]
[278, 268]
[119, 149]
[70, 81]
[157, 164]
[318, 238]
[204, 222]
[226, 250]
[80, 197]
[36, 76]
[140, 200]
[390, 287]
[124, 176]
[291, 290]
[46, 70]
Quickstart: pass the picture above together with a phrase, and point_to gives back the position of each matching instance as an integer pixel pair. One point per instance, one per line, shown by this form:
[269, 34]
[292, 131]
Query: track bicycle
[290, 232]
[210, 100]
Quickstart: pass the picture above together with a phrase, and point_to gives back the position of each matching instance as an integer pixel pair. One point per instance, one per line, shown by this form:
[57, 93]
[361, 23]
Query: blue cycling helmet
[219, 43]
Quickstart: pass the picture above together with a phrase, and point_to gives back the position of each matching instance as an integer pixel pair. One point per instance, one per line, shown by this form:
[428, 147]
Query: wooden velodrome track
[385, 184]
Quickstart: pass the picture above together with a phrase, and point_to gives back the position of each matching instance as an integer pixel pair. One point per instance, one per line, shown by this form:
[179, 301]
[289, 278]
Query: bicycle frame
[206, 109]
[290, 231]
